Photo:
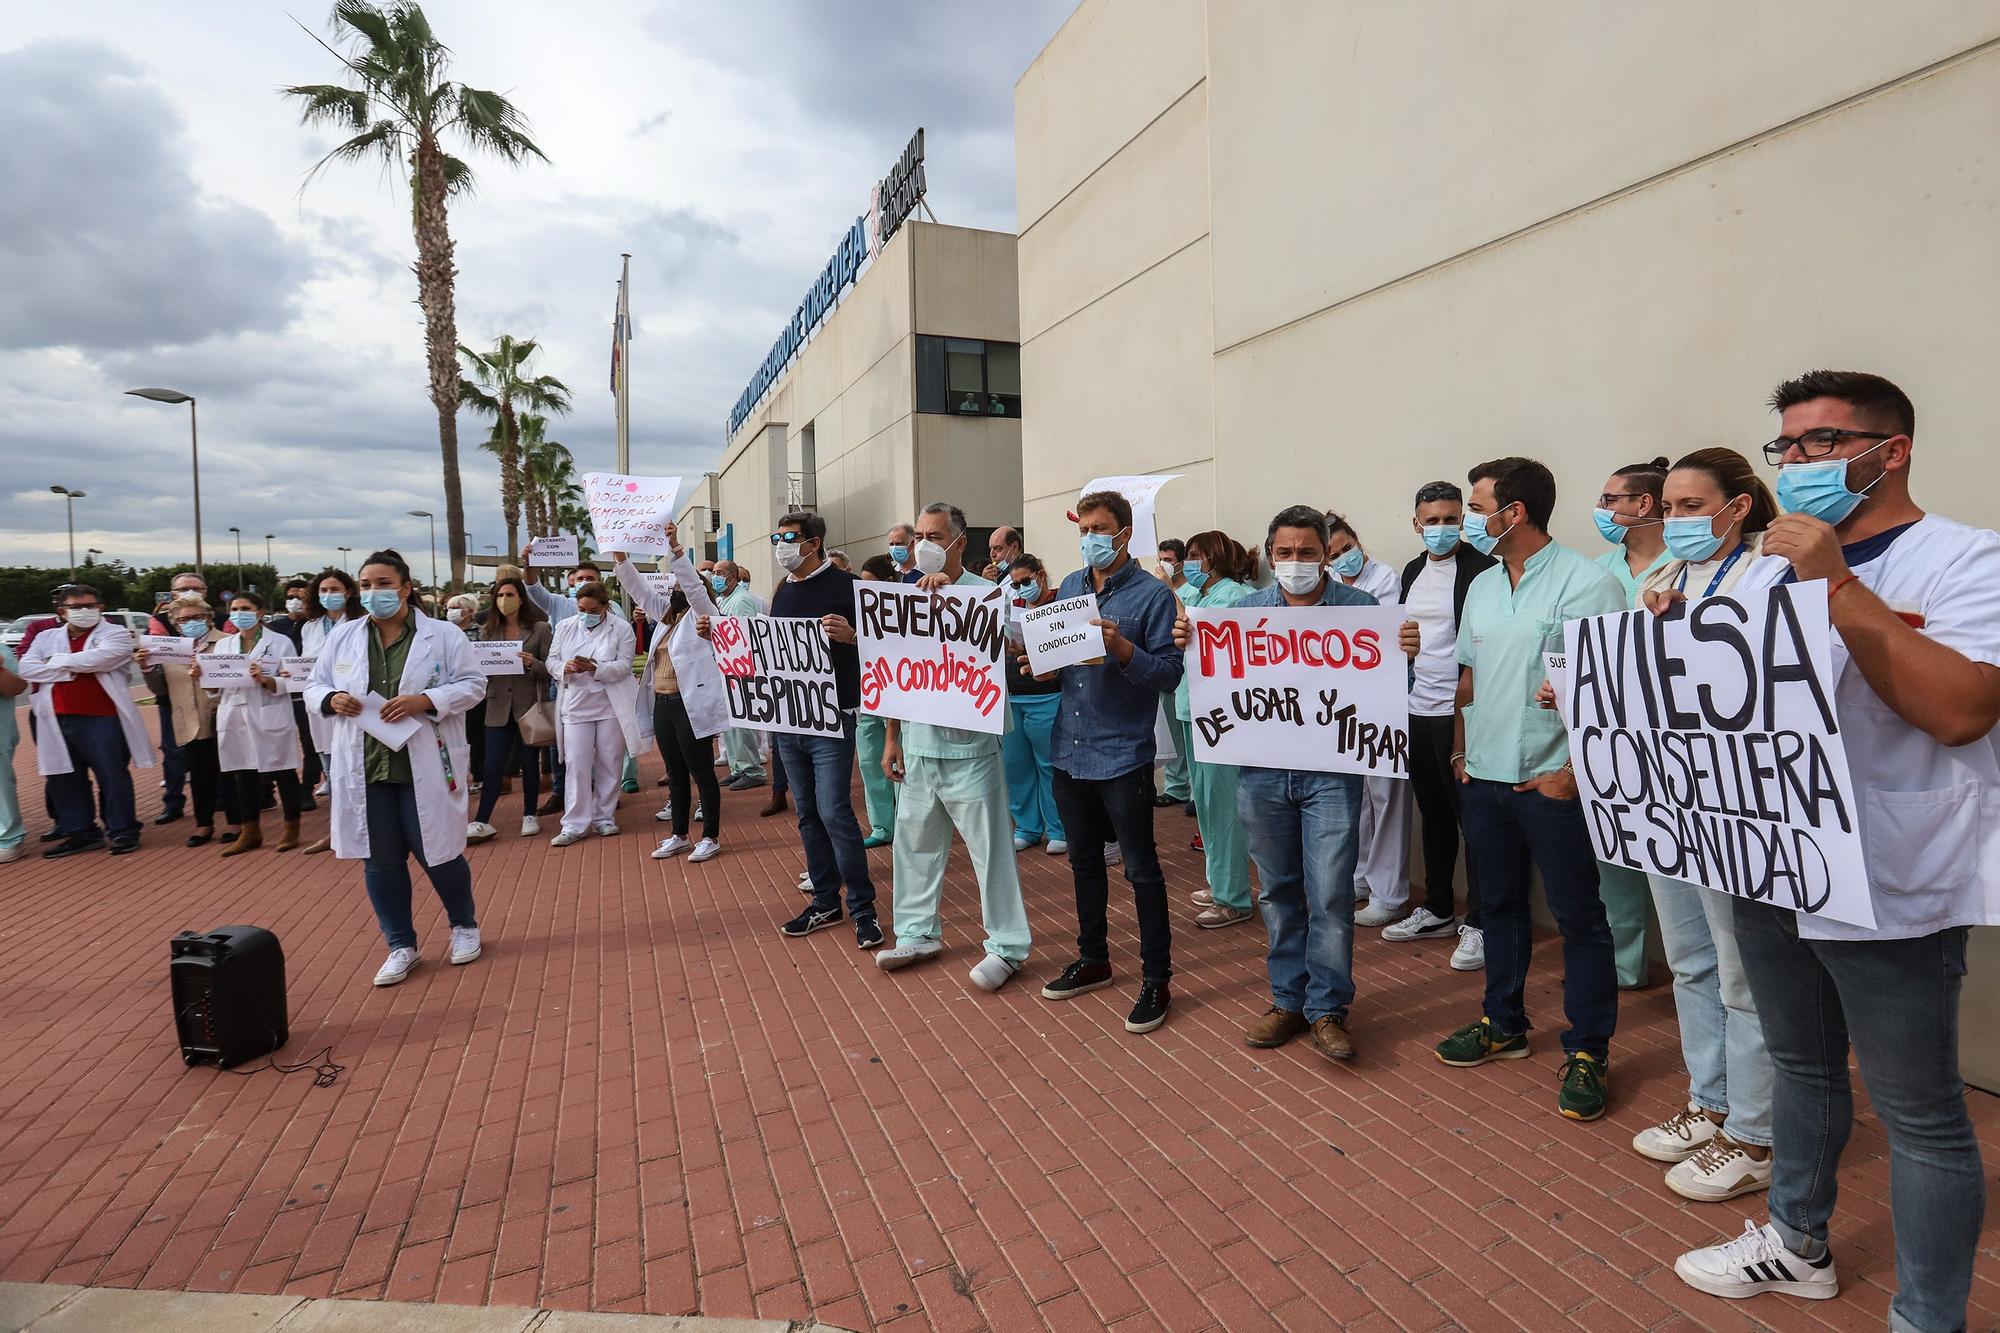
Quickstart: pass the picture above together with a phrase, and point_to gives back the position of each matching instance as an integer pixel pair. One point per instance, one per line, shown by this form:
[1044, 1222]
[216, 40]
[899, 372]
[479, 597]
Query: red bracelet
[1834, 591]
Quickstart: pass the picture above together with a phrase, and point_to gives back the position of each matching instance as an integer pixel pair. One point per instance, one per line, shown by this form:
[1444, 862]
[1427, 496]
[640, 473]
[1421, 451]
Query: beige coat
[193, 707]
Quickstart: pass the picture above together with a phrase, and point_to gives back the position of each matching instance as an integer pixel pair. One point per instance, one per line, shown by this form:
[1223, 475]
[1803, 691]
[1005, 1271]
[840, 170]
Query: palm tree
[543, 462]
[401, 111]
[499, 385]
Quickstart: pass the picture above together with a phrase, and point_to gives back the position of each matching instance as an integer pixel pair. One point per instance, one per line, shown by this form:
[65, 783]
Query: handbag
[538, 725]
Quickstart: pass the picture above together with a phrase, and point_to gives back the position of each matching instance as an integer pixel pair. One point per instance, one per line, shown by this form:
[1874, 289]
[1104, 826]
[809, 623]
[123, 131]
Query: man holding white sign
[951, 776]
[1302, 823]
[1520, 795]
[1914, 602]
[1104, 747]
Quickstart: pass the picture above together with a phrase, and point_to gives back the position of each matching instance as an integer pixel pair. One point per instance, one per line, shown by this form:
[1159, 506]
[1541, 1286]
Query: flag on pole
[621, 332]
[621, 364]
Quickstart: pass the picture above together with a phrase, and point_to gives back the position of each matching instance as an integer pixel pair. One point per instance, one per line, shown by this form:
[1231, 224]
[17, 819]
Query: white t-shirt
[1435, 689]
[1930, 814]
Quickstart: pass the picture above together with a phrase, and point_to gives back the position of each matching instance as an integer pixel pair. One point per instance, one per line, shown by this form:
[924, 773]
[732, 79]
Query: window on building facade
[968, 377]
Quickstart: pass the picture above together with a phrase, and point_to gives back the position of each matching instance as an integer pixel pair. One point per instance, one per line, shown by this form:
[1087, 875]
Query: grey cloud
[105, 238]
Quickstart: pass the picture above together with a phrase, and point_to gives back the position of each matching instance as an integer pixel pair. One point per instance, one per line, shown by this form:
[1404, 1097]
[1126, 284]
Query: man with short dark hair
[1103, 742]
[87, 720]
[1434, 588]
[1003, 548]
[1914, 601]
[1519, 791]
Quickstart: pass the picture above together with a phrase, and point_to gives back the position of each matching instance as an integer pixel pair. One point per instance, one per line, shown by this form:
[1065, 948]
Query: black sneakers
[1151, 1010]
[76, 842]
[1077, 979]
[867, 932]
[806, 922]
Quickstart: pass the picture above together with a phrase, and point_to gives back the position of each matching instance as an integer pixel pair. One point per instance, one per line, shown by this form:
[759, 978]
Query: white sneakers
[565, 838]
[464, 944]
[1374, 914]
[1721, 1170]
[805, 881]
[604, 828]
[904, 954]
[530, 826]
[1421, 924]
[1676, 1138]
[666, 815]
[1470, 955]
[1056, 847]
[672, 845]
[325, 788]
[1022, 842]
[401, 963]
[704, 849]
[992, 972]
[1756, 1262]
[11, 854]
[480, 831]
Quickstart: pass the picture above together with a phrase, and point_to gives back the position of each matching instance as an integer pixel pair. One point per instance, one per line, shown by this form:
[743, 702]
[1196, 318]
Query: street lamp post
[70, 498]
[239, 558]
[425, 513]
[343, 554]
[267, 555]
[194, 445]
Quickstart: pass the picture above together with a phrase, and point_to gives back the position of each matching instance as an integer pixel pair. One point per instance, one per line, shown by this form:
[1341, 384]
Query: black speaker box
[229, 994]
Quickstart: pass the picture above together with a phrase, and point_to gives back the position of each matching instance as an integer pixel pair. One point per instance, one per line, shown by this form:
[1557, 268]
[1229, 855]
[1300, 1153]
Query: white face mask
[930, 557]
[295, 605]
[790, 556]
[84, 617]
[456, 615]
[1297, 577]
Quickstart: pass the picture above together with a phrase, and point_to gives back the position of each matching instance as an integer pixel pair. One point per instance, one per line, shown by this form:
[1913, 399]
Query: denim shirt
[1104, 728]
[1336, 594]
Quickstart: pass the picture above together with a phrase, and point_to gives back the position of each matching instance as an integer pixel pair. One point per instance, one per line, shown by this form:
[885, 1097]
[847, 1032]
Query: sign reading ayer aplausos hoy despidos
[1707, 749]
[778, 673]
[1318, 688]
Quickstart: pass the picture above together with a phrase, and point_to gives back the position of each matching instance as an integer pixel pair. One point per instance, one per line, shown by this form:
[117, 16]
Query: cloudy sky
[154, 231]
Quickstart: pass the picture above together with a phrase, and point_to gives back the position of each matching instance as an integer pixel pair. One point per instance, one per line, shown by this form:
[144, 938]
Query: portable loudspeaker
[229, 994]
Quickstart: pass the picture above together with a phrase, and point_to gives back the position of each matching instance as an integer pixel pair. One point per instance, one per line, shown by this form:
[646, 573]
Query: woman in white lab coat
[256, 736]
[681, 700]
[595, 729]
[399, 673]
[335, 602]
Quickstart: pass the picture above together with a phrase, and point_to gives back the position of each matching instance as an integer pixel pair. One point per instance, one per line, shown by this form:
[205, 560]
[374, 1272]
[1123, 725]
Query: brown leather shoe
[1275, 1028]
[289, 838]
[249, 840]
[776, 806]
[1330, 1039]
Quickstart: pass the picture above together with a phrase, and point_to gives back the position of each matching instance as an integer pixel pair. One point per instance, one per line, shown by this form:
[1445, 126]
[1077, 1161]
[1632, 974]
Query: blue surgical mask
[333, 601]
[1194, 573]
[590, 619]
[1440, 539]
[1348, 563]
[899, 552]
[1819, 490]
[1694, 539]
[381, 603]
[243, 619]
[1478, 537]
[1099, 551]
[1608, 526]
[719, 583]
[194, 629]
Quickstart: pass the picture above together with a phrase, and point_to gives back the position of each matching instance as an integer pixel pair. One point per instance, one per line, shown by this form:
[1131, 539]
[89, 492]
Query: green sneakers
[1585, 1087]
[1476, 1043]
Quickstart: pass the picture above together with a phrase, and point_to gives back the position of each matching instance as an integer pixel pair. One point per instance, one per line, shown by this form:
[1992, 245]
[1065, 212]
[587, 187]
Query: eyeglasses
[787, 538]
[1816, 443]
[1610, 499]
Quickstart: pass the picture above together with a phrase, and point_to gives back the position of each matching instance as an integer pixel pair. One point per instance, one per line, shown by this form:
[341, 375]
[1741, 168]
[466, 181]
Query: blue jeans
[1025, 748]
[502, 742]
[1507, 830]
[393, 838]
[1722, 1043]
[821, 769]
[1303, 830]
[97, 750]
[1896, 1001]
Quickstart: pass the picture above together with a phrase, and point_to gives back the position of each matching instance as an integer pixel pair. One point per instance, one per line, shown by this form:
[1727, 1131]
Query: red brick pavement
[643, 1098]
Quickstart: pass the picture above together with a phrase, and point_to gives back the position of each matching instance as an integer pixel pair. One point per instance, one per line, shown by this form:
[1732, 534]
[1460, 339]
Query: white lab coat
[254, 727]
[107, 652]
[702, 692]
[312, 642]
[439, 665]
[611, 646]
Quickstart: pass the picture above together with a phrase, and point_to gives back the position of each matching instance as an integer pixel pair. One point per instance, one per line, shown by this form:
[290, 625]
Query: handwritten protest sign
[1557, 666]
[297, 672]
[1706, 749]
[1320, 688]
[552, 552]
[933, 656]
[1142, 493]
[1059, 634]
[630, 513]
[778, 671]
[167, 648]
[224, 671]
[498, 657]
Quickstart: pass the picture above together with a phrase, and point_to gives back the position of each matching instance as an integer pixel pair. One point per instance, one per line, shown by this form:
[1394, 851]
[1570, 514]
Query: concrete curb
[27, 1307]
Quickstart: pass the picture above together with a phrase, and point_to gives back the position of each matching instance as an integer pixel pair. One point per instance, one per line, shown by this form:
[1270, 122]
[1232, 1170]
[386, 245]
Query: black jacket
[1471, 564]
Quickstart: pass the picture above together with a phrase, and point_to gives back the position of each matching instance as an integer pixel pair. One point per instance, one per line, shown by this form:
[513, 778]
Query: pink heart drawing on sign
[631, 486]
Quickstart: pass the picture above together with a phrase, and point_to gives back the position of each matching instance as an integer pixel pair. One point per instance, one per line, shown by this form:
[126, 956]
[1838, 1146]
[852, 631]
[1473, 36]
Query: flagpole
[625, 366]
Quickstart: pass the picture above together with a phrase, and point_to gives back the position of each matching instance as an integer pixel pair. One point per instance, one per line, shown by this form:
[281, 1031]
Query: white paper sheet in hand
[167, 647]
[297, 672]
[1059, 634]
[498, 657]
[395, 735]
[224, 671]
[552, 552]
